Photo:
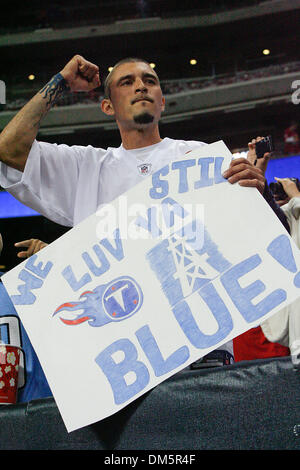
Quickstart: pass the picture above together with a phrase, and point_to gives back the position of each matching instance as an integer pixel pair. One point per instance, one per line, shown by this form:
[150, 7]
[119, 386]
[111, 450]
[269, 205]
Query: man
[32, 382]
[284, 326]
[67, 184]
[255, 343]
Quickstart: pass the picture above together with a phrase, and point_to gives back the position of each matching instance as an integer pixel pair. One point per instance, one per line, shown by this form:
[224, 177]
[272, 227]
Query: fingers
[241, 168]
[240, 164]
[81, 75]
[95, 81]
[251, 145]
[289, 186]
[22, 254]
[282, 202]
[243, 172]
[253, 183]
[23, 243]
[267, 155]
[87, 69]
[247, 174]
[251, 156]
[252, 148]
[90, 72]
[33, 246]
[286, 182]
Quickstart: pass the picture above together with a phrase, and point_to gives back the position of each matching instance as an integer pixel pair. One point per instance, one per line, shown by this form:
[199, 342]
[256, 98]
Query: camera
[278, 191]
[263, 146]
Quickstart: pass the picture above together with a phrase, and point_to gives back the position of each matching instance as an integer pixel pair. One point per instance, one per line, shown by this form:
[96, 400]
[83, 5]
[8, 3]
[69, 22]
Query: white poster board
[179, 265]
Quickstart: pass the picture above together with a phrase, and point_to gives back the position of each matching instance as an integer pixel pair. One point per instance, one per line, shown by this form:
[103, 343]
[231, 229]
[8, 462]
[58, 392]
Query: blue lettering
[182, 166]
[169, 207]
[96, 270]
[219, 178]
[116, 251]
[171, 262]
[72, 281]
[31, 282]
[160, 187]
[150, 224]
[38, 270]
[194, 234]
[242, 297]
[205, 180]
[160, 366]
[215, 258]
[162, 262]
[115, 372]
[186, 320]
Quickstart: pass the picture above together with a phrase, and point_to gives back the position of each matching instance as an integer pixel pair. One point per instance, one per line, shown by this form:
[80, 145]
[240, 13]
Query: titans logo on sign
[114, 301]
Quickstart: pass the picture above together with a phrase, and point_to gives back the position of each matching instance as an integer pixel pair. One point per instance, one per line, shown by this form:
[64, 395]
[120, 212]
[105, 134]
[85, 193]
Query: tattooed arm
[17, 137]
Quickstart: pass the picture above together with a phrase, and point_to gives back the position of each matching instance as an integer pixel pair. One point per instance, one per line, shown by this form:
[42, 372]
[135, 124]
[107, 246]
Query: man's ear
[163, 104]
[107, 107]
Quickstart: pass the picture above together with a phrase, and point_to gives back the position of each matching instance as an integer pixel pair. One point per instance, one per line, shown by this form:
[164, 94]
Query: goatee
[144, 118]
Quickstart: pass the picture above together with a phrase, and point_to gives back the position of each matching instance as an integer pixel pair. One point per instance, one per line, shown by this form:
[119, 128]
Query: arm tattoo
[54, 89]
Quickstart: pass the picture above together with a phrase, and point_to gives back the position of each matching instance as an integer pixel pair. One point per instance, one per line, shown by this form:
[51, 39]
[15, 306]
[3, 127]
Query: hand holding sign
[245, 173]
[122, 314]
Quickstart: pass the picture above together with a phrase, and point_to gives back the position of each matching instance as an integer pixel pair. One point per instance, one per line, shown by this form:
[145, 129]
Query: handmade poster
[169, 271]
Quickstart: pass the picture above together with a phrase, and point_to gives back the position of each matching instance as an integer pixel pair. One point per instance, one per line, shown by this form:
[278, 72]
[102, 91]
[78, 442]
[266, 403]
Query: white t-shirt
[67, 184]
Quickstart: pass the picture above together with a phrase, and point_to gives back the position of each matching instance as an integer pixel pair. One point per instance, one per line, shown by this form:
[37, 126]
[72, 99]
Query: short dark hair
[107, 81]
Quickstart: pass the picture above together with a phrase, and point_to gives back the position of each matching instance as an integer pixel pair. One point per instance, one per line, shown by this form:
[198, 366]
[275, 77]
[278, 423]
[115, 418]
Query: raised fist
[80, 74]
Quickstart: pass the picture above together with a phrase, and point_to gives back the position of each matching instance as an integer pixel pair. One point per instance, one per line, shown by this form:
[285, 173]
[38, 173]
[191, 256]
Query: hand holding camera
[260, 152]
[285, 189]
[263, 146]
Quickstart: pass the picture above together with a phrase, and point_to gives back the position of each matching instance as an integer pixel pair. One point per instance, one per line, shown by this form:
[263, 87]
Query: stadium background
[234, 91]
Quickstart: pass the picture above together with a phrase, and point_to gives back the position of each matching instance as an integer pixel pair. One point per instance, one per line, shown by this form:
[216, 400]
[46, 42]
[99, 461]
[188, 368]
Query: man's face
[136, 96]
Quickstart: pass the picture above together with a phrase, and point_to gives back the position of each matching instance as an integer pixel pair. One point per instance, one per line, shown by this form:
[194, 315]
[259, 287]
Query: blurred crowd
[170, 87]
[40, 15]
[291, 139]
